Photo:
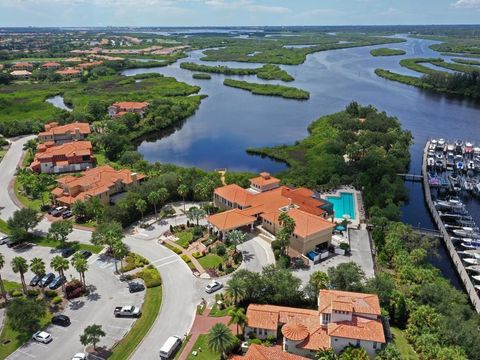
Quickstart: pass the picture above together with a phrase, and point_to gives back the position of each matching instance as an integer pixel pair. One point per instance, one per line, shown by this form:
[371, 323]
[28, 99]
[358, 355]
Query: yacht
[472, 261]
[441, 144]
[476, 278]
[465, 232]
[451, 147]
[474, 268]
[430, 162]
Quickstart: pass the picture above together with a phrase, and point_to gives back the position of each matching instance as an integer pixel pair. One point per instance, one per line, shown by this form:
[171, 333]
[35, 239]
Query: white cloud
[470, 4]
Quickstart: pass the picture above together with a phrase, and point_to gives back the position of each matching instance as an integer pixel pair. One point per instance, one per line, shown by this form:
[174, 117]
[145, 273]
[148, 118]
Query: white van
[172, 344]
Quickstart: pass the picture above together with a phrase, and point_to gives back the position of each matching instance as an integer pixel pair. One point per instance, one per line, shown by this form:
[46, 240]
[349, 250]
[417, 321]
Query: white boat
[470, 246]
[450, 147]
[441, 143]
[430, 162]
[472, 261]
[476, 278]
[474, 268]
[451, 204]
[470, 165]
[468, 253]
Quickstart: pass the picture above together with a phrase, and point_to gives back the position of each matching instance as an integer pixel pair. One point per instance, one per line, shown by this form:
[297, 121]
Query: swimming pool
[343, 205]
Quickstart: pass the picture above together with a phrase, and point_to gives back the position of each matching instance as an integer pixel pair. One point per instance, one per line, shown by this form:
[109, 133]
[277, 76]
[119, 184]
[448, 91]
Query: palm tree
[119, 250]
[183, 192]
[81, 265]
[20, 265]
[235, 290]
[326, 354]
[238, 317]
[220, 339]
[60, 264]
[154, 198]
[2, 287]
[236, 237]
[141, 205]
[163, 195]
[37, 266]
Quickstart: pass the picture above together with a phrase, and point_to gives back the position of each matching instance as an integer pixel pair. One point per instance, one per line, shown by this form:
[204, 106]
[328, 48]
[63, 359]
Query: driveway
[106, 293]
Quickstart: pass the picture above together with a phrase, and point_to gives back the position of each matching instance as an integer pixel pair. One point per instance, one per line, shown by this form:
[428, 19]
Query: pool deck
[357, 204]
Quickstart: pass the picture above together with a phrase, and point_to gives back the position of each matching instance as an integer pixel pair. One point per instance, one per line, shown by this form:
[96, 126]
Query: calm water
[231, 120]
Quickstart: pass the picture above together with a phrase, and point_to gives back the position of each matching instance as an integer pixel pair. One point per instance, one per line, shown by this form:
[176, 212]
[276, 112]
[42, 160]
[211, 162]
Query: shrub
[150, 276]
[127, 267]
[284, 262]
[16, 293]
[344, 246]
[220, 249]
[57, 300]
[197, 255]
[33, 293]
[271, 339]
[185, 258]
[254, 341]
[75, 293]
[50, 293]
[197, 232]
[72, 285]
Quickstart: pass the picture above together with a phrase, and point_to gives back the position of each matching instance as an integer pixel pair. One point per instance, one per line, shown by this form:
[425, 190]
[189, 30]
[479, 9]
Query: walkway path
[194, 261]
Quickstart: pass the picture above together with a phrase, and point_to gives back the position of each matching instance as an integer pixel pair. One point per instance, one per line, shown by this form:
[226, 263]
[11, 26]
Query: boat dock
[447, 239]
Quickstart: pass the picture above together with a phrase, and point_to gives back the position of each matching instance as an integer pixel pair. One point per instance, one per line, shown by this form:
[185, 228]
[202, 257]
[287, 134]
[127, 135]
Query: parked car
[35, 280]
[85, 253]
[67, 214]
[79, 356]
[10, 243]
[134, 287]
[126, 311]
[213, 286]
[58, 211]
[68, 252]
[42, 336]
[47, 279]
[169, 347]
[57, 282]
[62, 320]
[22, 245]
[3, 240]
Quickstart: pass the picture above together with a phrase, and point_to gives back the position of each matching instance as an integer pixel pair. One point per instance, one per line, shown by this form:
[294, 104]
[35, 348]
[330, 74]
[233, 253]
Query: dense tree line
[467, 84]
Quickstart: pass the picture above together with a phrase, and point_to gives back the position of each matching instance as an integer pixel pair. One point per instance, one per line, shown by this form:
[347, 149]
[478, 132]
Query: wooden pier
[457, 262]
[411, 177]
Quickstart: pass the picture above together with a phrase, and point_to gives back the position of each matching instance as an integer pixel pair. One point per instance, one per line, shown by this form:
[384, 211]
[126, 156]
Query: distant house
[89, 65]
[51, 65]
[68, 157]
[121, 108]
[69, 72]
[263, 203]
[21, 74]
[60, 134]
[22, 66]
[343, 318]
[101, 182]
[73, 60]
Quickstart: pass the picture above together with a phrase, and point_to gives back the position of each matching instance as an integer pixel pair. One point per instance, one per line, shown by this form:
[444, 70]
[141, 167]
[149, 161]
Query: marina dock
[447, 239]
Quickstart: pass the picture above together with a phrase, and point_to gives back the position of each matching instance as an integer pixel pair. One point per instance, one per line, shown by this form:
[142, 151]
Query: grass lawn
[210, 261]
[184, 238]
[15, 338]
[150, 310]
[46, 242]
[403, 346]
[4, 227]
[204, 353]
[184, 343]
[216, 312]
[11, 285]
[25, 200]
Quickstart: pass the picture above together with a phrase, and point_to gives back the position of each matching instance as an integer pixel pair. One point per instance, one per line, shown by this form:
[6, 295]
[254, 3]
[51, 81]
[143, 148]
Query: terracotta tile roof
[51, 64]
[318, 338]
[68, 72]
[342, 306]
[234, 194]
[131, 105]
[361, 303]
[76, 148]
[264, 179]
[259, 352]
[359, 328]
[231, 219]
[55, 129]
[88, 65]
[295, 332]
[270, 316]
[305, 224]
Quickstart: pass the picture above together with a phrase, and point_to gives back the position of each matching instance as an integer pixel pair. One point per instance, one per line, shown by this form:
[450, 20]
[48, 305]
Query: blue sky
[235, 12]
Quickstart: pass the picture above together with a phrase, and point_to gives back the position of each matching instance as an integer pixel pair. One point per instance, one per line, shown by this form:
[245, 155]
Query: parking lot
[106, 292]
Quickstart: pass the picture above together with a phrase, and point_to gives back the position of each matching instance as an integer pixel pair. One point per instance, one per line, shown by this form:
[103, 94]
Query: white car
[42, 336]
[79, 356]
[213, 286]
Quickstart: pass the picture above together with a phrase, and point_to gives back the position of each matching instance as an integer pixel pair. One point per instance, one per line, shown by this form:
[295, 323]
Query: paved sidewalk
[194, 261]
[202, 325]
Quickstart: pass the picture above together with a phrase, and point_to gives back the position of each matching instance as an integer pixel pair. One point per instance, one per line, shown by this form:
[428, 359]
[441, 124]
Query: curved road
[181, 290]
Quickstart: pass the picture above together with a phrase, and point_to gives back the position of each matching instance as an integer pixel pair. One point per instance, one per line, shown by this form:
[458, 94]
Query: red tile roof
[264, 179]
[55, 129]
[359, 328]
[259, 352]
[234, 194]
[67, 72]
[76, 148]
[131, 105]
[50, 64]
[229, 220]
[360, 303]
[295, 332]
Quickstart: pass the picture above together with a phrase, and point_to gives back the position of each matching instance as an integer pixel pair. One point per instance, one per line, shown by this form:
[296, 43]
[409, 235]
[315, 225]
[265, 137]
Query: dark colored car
[67, 214]
[3, 240]
[58, 211]
[57, 282]
[10, 243]
[62, 320]
[134, 287]
[35, 280]
[46, 280]
[85, 253]
[68, 252]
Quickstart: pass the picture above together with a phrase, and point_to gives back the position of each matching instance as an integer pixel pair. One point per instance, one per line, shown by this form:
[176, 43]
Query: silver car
[213, 286]
[42, 336]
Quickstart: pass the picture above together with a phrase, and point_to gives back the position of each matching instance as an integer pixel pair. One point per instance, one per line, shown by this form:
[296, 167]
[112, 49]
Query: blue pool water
[343, 205]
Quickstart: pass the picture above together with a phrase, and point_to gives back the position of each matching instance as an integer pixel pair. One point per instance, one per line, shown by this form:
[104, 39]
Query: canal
[231, 120]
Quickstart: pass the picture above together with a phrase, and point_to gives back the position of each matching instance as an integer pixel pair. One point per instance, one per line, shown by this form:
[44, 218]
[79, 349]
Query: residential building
[51, 65]
[89, 65]
[102, 182]
[343, 318]
[68, 157]
[121, 108]
[69, 72]
[259, 352]
[21, 74]
[263, 203]
[60, 134]
[22, 66]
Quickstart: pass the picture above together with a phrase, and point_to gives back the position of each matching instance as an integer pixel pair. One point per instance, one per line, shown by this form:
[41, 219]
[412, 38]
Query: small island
[267, 89]
[201, 76]
[387, 52]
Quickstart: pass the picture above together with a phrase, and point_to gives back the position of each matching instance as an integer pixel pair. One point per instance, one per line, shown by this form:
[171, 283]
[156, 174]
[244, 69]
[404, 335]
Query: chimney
[77, 133]
[134, 177]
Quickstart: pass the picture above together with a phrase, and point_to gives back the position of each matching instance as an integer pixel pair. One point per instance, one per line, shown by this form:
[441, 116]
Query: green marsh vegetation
[202, 76]
[467, 62]
[268, 89]
[266, 72]
[387, 52]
